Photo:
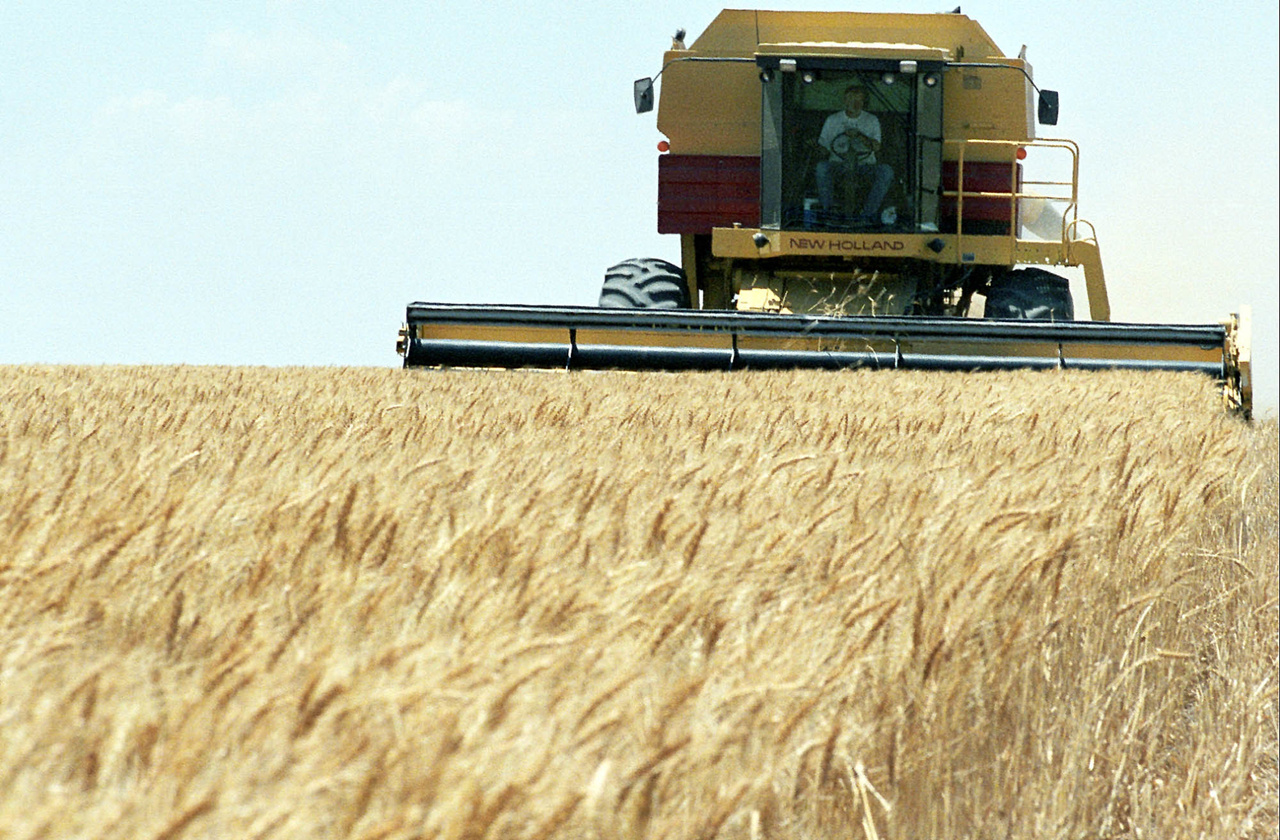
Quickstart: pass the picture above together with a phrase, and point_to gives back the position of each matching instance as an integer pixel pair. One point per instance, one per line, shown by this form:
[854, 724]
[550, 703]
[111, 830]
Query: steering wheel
[844, 145]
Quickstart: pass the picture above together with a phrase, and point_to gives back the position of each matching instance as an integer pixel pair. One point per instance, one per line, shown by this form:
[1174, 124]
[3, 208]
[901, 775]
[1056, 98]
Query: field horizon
[385, 604]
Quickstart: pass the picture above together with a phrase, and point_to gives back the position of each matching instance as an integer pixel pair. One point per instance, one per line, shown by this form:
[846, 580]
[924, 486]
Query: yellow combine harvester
[849, 190]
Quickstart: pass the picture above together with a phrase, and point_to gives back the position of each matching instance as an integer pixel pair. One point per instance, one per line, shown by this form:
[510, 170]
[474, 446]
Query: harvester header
[848, 189]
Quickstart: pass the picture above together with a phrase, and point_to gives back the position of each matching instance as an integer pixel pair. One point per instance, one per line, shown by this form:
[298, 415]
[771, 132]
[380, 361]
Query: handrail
[1070, 218]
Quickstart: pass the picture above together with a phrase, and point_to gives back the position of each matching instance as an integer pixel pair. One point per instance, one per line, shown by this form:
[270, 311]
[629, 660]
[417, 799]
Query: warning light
[1022, 153]
[664, 146]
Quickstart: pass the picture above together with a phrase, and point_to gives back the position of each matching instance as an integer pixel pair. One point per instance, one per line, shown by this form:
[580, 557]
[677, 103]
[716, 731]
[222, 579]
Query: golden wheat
[383, 604]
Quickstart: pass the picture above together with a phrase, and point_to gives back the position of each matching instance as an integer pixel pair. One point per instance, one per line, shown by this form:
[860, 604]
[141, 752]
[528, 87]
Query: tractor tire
[645, 284]
[1030, 294]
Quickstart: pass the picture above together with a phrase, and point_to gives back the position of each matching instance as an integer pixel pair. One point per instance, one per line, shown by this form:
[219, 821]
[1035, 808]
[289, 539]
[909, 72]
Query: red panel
[699, 192]
[979, 177]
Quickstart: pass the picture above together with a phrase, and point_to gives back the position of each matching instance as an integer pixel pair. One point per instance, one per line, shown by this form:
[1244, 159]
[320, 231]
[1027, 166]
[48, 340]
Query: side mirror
[1048, 107]
[644, 95]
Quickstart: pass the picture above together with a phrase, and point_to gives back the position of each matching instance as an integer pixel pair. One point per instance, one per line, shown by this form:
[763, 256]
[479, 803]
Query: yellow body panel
[740, 243]
[713, 108]
[636, 338]
[709, 108]
[741, 30]
[864, 293]
[989, 103]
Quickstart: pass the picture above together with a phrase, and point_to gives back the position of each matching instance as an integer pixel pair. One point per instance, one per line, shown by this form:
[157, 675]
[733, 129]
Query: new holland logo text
[836, 245]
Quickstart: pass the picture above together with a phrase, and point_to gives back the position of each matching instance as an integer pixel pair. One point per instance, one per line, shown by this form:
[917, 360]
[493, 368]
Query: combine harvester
[849, 191]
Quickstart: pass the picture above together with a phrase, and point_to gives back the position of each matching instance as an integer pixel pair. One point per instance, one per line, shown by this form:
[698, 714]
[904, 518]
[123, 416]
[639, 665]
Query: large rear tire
[1030, 294]
[645, 284]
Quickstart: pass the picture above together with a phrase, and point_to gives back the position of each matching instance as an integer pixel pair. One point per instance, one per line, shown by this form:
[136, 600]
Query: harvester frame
[790, 260]
[741, 108]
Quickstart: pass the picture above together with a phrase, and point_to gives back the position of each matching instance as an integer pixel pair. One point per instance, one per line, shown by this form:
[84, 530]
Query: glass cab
[850, 145]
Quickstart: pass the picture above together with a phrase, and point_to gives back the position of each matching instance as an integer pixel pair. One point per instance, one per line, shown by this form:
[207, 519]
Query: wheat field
[379, 604]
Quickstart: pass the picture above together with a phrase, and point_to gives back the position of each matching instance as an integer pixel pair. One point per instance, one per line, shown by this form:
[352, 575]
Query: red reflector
[1022, 154]
[664, 146]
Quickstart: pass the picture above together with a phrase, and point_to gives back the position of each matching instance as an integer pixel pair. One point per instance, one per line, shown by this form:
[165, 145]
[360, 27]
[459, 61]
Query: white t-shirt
[840, 122]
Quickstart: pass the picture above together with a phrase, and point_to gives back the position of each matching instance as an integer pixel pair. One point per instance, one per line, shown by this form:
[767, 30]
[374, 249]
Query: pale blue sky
[271, 182]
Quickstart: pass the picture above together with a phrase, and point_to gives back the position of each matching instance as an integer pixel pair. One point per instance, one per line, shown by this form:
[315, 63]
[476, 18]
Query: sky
[269, 183]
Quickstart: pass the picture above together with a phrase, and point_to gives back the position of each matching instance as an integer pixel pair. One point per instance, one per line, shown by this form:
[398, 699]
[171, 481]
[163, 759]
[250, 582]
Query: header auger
[849, 190]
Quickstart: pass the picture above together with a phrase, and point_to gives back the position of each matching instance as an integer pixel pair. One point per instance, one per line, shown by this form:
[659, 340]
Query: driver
[852, 138]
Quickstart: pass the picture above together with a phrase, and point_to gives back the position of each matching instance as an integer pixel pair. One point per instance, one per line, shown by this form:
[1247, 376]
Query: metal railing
[1059, 190]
